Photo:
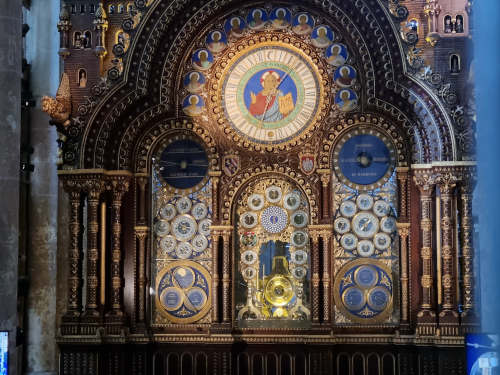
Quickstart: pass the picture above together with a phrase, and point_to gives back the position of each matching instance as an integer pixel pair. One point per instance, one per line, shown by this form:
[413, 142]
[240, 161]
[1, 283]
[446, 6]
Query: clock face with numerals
[271, 93]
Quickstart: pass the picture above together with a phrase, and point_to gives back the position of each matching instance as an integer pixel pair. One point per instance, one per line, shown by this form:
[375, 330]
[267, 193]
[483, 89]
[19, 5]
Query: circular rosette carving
[363, 291]
[114, 73]
[274, 219]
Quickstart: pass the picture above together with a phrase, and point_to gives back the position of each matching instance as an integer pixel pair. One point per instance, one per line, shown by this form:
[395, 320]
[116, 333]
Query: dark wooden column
[448, 317]
[141, 234]
[215, 275]
[426, 317]
[74, 302]
[226, 274]
[118, 183]
[326, 234]
[325, 193]
[315, 274]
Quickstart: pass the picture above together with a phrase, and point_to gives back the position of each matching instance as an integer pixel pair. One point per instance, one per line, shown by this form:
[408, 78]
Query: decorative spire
[64, 27]
[100, 13]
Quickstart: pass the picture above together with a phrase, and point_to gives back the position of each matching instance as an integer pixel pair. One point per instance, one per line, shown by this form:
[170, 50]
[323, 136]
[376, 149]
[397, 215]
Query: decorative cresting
[357, 27]
[272, 254]
[91, 185]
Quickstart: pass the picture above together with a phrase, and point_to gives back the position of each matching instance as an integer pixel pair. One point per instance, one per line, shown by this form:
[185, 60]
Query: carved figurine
[59, 108]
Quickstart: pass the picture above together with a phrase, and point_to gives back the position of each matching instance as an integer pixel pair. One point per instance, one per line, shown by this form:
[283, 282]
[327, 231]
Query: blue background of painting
[254, 85]
[352, 72]
[195, 57]
[343, 50]
[200, 103]
[310, 20]
[352, 96]
[377, 150]
[288, 14]
[228, 27]
[250, 15]
[329, 32]
[223, 37]
[200, 80]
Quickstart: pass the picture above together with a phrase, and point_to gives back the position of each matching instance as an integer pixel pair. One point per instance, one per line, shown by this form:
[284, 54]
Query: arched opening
[111, 9]
[82, 78]
[413, 24]
[272, 255]
[87, 39]
[447, 26]
[77, 39]
[455, 63]
[121, 8]
[459, 24]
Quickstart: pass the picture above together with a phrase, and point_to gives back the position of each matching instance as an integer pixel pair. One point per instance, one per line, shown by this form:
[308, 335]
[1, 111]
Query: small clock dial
[365, 224]
[184, 227]
[271, 93]
[341, 225]
[183, 164]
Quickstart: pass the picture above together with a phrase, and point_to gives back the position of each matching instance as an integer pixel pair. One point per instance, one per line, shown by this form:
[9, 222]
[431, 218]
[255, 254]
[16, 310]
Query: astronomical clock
[274, 173]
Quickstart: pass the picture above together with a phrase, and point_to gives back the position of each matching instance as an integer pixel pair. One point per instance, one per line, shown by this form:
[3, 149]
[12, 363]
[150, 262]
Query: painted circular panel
[171, 298]
[299, 238]
[256, 202]
[183, 291]
[273, 194]
[299, 272]
[381, 208]
[183, 277]
[184, 250]
[364, 159]
[299, 257]
[280, 18]
[364, 201]
[235, 26]
[168, 212]
[248, 220]
[193, 105]
[183, 164]
[292, 201]
[199, 211]
[196, 297]
[168, 244]
[202, 59]
[248, 239]
[378, 298]
[183, 205]
[354, 298]
[341, 225]
[345, 76]
[346, 100]
[299, 219]
[256, 18]
[382, 241]
[366, 276]
[216, 41]
[274, 219]
[336, 54]
[162, 227]
[302, 24]
[271, 93]
[322, 36]
[199, 243]
[204, 227]
[349, 241]
[194, 82]
[365, 224]
[184, 227]
[249, 257]
[348, 208]
[388, 224]
[365, 248]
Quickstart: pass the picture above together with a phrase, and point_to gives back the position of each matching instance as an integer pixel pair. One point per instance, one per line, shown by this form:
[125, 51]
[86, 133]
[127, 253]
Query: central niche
[272, 273]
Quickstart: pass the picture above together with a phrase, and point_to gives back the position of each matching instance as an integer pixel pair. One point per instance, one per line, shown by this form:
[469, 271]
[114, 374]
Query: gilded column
[315, 276]
[119, 185]
[215, 275]
[404, 231]
[325, 235]
[74, 306]
[403, 198]
[226, 276]
[141, 233]
[426, 317]
[142, 181]
[94, 190]
[448, 314]
[467, 231]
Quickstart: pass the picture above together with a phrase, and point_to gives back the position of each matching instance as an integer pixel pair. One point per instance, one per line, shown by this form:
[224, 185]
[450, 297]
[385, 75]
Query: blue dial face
[364, 159]
[184, 164]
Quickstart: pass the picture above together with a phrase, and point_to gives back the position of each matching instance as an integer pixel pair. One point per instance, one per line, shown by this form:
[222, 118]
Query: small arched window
[87, 41]
[130, 7]
[82, 78]
[73, 8]
[413, 25]
[92, 8]
[111, 9]
[77, 39]
[82, 8]
[455, 63]
[448, 26]
[121, 8]
[459, 24]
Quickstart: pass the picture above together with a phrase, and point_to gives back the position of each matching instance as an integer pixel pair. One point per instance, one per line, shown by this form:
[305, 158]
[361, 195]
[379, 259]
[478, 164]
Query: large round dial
[365, 224]
[271, 92]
